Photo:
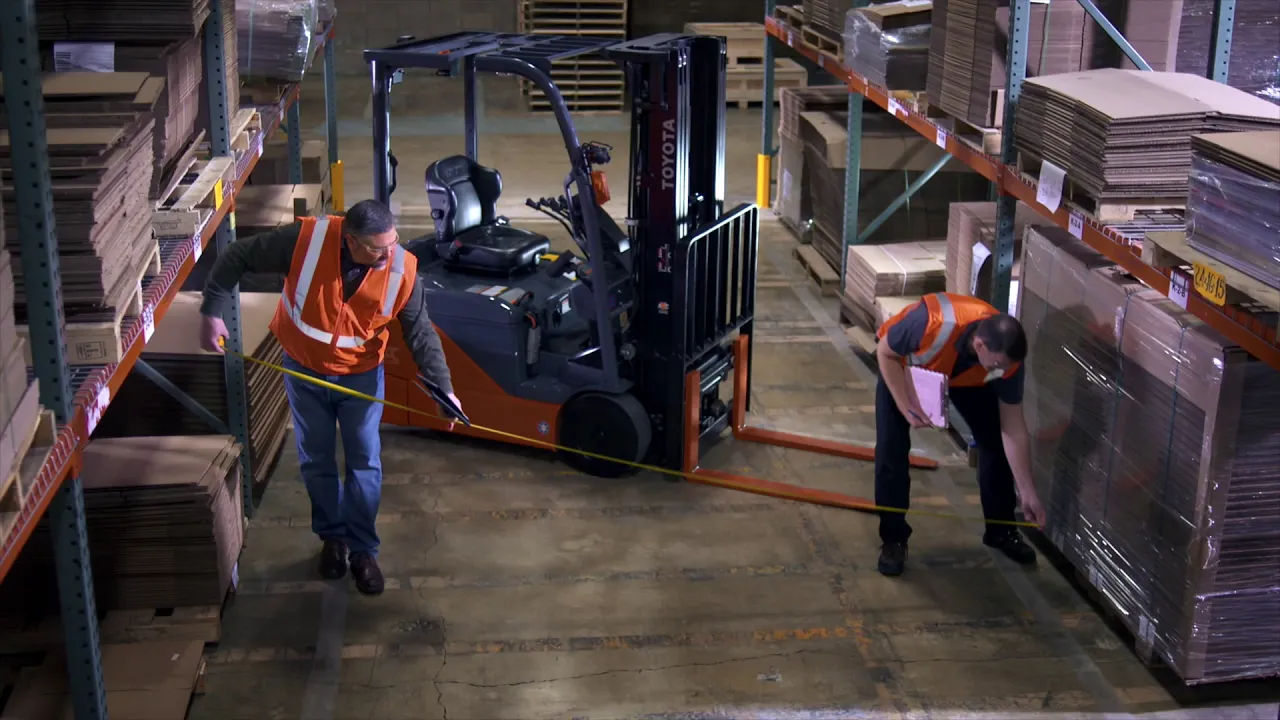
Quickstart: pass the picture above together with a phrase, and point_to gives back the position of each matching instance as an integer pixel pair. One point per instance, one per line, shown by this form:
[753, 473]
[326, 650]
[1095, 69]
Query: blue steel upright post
[1007, 205]
[1224, 21]
[215, 81]
[28, 142]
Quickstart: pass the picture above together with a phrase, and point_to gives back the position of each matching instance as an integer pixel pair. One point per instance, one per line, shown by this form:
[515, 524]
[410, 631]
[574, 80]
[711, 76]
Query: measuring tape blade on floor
[765, 487]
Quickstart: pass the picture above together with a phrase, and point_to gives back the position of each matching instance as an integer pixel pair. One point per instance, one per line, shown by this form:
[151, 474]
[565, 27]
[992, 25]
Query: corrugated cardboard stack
[165, 523]
[968, 48]
[100, 156]
[181, 65]
[231, 62]
[19, 397]
[971, 237]
[275, 38]
[120, 20]
[1177, 35]
[791, 200]
[889, 43]
[1158, 459]
[1233, 208]
[897, 270]
[892, 155]
[140, 408]
[1126, 134]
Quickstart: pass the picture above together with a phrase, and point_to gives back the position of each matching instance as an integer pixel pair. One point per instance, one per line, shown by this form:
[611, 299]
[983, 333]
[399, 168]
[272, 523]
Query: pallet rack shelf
[79, 395]
[1243, 326]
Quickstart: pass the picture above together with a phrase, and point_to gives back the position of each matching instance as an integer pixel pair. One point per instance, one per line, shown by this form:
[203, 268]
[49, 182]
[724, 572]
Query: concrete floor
[520, 589]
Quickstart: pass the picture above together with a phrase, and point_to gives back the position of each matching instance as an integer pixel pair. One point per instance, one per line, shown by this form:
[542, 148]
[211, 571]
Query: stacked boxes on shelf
[1233, 207]
[888, 43]
[589, 83]
[275, 38]
[1158, 461]
[879, 277]
[971, 237]
[100, 138]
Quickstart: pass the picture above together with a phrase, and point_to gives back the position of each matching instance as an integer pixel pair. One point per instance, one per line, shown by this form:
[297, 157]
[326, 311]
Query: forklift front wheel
[605, 425]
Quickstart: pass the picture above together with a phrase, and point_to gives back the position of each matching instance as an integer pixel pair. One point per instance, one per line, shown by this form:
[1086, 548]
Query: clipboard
[441, 397]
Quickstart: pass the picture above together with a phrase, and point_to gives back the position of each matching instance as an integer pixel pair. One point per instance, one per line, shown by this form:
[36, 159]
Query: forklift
[620, 349]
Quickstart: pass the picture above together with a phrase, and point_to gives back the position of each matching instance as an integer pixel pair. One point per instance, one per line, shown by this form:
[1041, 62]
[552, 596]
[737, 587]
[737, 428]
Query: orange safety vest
[949, 316]
[316, 326]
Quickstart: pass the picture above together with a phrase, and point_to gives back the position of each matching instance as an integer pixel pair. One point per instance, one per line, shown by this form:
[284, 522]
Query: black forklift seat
[469, 232]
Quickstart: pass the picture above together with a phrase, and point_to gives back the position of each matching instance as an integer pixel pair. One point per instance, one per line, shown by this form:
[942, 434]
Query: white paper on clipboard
[931, 391]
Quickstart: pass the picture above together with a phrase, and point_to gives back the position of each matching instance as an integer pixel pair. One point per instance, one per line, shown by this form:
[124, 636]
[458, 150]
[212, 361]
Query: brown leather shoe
[364, 568]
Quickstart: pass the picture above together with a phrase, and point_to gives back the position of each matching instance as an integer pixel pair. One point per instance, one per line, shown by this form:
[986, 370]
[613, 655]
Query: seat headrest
[451, 170]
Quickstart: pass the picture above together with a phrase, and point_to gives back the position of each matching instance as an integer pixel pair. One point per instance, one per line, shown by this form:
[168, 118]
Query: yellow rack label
[1210, 284]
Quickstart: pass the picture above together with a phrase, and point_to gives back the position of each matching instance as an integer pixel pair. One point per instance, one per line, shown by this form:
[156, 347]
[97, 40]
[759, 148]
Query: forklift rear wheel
[604, 424]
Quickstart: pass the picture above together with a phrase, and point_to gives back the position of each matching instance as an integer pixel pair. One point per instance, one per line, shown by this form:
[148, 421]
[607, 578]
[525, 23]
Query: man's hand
[212, 331]
[1032, 510]
[449, 414]
[916, 416]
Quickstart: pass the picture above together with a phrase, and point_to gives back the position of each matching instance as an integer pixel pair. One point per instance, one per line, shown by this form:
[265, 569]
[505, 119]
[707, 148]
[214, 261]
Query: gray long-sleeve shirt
[272, 252]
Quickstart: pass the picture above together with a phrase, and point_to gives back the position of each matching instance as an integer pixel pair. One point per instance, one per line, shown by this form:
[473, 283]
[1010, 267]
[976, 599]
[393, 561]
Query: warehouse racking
[78, 396]
[1240, 324]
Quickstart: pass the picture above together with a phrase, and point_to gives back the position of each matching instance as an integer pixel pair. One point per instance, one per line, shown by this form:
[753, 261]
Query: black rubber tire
[615, 426]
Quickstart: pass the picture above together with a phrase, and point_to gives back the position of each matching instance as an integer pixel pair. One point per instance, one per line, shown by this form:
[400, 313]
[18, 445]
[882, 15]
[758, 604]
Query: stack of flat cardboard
[1177, 35]
[1158, 460]
[1126, 134]
[100, 156]
[141, 408]
[971, 238]
[889, 43]
[968, 48]
[892, 155]
[231, 62]
[181, 65]
[909, 269]
[19, 397]
[827, 16]
[276, 36]
[791, 200]
[1233, 208]
[120, 20]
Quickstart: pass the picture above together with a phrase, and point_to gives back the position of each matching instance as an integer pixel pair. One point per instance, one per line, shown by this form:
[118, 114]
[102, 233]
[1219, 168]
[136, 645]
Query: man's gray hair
[368, 217]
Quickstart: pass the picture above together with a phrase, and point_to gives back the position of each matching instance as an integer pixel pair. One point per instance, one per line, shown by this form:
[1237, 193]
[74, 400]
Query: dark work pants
[980, 408]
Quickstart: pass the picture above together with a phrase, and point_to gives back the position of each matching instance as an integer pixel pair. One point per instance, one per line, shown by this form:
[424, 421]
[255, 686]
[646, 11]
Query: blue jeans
[343, 511]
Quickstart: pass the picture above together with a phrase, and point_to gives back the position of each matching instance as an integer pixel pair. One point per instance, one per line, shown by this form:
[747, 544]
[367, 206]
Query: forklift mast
[675, 209]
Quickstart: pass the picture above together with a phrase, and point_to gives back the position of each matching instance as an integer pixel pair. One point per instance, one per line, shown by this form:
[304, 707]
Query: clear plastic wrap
[326, 11]
[275, 37]
[1156, 451]
[1233, 210]
[1255, 44]
[897, 57]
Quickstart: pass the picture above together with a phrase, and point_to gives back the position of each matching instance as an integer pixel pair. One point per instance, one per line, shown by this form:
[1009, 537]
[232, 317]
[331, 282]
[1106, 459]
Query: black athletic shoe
[1012, 545]
[333, 559]
[893, 556]
[365, 570]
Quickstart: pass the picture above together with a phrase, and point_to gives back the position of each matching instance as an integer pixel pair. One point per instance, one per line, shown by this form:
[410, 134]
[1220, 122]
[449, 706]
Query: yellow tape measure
[692, 476]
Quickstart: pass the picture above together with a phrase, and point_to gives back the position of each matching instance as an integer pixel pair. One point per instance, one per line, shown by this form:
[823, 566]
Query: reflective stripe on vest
[295, 313]
[927, 355]
[315, 245]
[393, 282]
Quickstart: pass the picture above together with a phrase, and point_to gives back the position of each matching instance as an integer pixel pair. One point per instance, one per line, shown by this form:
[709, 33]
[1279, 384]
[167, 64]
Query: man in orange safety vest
[981, 351]
[346, 279]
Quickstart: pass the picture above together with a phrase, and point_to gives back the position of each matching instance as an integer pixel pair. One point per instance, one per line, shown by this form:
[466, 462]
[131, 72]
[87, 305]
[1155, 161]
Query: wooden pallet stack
[100, 138]
[744, 72]
[589, 83]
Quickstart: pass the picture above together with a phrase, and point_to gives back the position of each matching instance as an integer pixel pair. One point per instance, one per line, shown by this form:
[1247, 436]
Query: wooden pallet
[1103, 212]
[189, 204]
[744, 84]
[818, 39]
[1215, 280]
[985, 139]
[743, 41]
[824, 275]
[589, 84]
[32, 451]
[792, 15]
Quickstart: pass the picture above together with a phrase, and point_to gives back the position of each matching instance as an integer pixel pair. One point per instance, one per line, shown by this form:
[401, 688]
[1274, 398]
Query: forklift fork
[741, 431]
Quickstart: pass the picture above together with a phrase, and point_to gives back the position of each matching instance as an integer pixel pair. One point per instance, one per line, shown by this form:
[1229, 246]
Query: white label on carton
[197, 248]
[940, 138]
[791, 38]
[1179, 286]
[93, 413]
[1013, 298]
[1049, 189]
[148, 323]
[1076, 225]
[896, 108]
[84, 57]
[1093, 575]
